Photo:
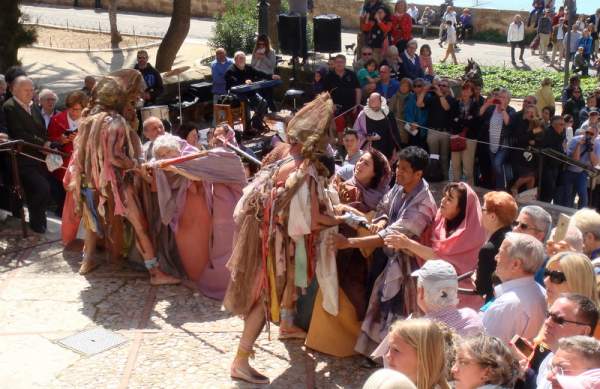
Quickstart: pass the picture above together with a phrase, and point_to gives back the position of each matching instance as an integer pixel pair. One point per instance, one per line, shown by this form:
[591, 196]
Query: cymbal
[176, 71]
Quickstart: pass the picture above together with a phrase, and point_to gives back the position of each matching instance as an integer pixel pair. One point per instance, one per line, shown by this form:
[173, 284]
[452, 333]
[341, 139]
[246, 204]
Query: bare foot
[157, 277]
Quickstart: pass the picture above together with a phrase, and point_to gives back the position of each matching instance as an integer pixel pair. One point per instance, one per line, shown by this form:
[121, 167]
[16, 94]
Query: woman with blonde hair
[484, 362]
[418, 349]
[570, 272]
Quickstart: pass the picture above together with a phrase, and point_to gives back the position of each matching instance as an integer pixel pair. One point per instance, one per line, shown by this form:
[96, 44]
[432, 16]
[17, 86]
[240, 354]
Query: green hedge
[520, 82]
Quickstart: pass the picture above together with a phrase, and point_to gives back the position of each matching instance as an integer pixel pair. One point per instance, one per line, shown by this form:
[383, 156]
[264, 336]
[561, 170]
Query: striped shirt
[496, 123]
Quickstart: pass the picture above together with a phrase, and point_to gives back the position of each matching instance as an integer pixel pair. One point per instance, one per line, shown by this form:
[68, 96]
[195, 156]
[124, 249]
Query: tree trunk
[19, 36]
[178, 30]
[274, 10]
[115, 36]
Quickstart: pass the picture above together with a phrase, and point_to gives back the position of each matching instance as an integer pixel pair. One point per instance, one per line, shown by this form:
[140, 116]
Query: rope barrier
[530, 149]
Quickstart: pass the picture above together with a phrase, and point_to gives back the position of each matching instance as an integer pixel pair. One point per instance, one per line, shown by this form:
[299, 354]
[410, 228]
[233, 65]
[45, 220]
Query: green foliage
[236, 28]
[520, 82]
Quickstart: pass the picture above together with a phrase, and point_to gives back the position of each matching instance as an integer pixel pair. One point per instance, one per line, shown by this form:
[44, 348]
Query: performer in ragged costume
[103, 174]
[196, 198]
[283, 219]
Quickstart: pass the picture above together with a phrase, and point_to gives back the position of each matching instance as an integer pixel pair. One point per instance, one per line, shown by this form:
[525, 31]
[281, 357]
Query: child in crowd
[451, 41]
[368, 76]
[426, 62]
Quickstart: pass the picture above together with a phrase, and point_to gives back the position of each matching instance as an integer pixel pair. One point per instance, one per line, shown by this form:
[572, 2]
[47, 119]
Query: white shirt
[413, 12]
[47, 117]
[516, 33]
[450, 16]
[519, 309]
[73, 124]
[541, 382]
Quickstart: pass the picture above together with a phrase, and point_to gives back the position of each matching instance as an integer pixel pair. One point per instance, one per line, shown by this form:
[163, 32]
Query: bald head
[22, 89]
[375, 101]
[153, 128]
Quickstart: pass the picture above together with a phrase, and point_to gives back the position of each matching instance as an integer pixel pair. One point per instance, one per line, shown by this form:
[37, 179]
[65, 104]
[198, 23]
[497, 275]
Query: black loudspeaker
[327, 33]
[289, 29]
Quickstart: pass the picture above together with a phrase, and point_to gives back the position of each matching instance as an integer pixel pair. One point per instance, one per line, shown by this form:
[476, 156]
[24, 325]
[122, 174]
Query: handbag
[458, 142]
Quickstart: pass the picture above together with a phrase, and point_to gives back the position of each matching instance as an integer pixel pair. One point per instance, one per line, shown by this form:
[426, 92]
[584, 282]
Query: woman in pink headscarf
[456, 236]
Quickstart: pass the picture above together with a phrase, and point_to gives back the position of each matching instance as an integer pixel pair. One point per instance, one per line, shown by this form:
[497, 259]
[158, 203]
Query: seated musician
[238, 74]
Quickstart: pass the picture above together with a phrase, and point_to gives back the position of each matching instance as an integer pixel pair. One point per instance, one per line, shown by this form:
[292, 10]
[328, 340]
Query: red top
[401, 27]
[367, 26]
[56, 128]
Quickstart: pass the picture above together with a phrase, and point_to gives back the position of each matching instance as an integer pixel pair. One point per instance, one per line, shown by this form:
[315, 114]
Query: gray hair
[392, 50]
[504, 90]
[412, 42]
[438, 295]
[165, 144]
[239, 53]
[541, 218]
[3, 80]
[47, 93]
[586, 346]
[526, 248]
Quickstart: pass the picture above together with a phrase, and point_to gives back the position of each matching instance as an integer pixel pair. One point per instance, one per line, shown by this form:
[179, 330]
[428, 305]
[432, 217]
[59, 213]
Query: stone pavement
[177, 338]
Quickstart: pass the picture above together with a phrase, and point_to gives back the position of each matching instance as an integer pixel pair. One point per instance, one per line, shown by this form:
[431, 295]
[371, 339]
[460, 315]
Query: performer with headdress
[283, 219]
[103, 174]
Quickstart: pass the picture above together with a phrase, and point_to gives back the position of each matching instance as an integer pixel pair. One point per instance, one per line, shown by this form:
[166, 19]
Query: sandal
[250, 377]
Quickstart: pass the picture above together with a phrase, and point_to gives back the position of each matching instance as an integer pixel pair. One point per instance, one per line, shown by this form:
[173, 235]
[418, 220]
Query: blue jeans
[498, 158]
[572, 183]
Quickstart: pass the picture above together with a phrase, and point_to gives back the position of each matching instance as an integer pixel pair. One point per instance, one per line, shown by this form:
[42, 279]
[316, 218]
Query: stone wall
[348, 10]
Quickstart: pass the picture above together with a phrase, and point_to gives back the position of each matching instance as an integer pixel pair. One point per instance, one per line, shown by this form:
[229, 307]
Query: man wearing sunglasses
[535, 221]
[571, 314]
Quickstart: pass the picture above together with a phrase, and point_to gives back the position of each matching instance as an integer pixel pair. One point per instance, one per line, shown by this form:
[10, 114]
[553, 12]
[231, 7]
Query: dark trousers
[549, 183]
[34, 179]
[57, 191]
[521, 45]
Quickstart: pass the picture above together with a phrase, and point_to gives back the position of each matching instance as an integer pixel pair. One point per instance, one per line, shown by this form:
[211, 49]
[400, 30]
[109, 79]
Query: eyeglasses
[561, 320]
[556, 277]
[523, 226]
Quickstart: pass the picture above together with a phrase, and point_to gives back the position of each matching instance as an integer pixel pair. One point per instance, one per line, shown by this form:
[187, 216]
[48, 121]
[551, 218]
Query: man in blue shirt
[584, 148]
[387, 86]
[218, 67]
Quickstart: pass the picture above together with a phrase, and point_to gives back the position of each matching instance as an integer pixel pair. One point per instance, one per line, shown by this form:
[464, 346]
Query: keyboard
[258, 85]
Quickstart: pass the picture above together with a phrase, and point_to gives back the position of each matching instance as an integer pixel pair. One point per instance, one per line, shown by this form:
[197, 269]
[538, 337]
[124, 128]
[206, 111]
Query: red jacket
[58, 125]
[401, 27]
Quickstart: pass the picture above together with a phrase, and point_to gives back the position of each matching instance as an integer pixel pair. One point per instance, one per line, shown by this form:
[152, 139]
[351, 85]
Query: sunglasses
[556, 277]
[523, 226]
[561, 320]
[367, 54]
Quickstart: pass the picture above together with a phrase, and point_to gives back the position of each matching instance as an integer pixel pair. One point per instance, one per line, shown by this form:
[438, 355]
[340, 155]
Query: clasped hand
[397, 241]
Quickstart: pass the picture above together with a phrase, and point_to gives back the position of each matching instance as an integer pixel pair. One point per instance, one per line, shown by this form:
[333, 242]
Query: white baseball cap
[436, 270]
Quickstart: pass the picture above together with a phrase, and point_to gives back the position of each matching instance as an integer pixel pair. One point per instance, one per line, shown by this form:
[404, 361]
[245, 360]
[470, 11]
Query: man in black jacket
[238, 74]
[554, 138]
[24, 121]
[154, 83]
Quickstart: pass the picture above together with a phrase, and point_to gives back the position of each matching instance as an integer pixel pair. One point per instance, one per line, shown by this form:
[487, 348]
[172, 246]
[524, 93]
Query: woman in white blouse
[516, 37]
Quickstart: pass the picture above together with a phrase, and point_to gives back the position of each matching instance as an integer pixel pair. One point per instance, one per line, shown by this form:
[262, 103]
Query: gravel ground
[70, 39]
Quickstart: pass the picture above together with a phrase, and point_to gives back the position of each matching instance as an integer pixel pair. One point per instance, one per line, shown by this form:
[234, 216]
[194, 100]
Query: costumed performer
[105, 175]
[196, 198]
[282, 219]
